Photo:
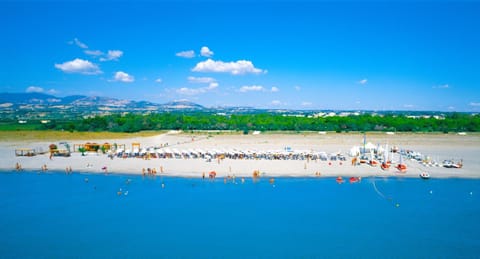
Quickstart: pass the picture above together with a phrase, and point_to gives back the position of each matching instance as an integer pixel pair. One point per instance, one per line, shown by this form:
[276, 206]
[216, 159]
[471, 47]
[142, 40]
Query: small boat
[451, 164]
[373, 162]
[354, 179]
[401, 166]
[339, 180]
[386, 163]
[385, 166]
[424, 175]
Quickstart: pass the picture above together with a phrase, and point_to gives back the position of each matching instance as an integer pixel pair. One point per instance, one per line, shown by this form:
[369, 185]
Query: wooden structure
[25, 152]
[94, 147]
[106, 146]
[89, 147]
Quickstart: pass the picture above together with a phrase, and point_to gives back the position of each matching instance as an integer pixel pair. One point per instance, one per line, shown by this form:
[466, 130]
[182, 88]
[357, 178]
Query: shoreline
[437, 146]
[250, 177]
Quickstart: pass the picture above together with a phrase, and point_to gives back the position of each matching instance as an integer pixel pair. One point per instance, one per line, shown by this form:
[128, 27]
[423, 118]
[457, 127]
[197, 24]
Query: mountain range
[32, 105]
[41, 106]
[16, 99]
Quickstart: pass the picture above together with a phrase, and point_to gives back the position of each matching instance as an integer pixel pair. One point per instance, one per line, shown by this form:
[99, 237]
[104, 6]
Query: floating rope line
[379, 192]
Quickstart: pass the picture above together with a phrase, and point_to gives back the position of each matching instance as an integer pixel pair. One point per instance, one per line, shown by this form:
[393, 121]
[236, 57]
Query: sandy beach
[438, 147]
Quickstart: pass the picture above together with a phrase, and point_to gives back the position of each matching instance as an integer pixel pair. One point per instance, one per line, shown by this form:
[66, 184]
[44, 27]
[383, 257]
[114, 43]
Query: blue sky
[272, 54]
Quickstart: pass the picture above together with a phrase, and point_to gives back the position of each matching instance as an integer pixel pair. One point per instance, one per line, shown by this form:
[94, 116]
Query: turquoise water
[55, 216]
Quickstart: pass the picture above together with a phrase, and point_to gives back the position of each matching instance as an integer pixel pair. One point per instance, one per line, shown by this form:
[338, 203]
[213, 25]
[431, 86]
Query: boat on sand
[424, 175]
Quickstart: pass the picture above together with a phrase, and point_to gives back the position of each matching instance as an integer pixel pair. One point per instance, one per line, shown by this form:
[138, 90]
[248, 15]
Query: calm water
[57, 215]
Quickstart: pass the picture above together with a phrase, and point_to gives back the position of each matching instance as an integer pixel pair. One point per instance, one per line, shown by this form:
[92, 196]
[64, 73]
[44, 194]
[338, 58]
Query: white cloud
[444, 86]
[306, 104]
[158, 80]
[212, 84]
[205, 80]
[475, 104]
[78, 43]
[235, 68]
[190, 91]
[79, 66]
[251, 88]
[274, 89]
[206, 52]
[112, 55]
[94, 53]
[363, 81]
[276, 102]
[52, 91]
[186, 54]
[38, 89]
[195, 91]
[34, 89]
[408, 106]
[297, 87]
[121, 76]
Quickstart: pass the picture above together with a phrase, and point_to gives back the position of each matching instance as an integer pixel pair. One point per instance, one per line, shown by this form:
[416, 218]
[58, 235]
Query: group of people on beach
[151, 171]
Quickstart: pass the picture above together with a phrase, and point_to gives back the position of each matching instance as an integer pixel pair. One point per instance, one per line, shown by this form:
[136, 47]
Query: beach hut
[135, 145]
[24, 152]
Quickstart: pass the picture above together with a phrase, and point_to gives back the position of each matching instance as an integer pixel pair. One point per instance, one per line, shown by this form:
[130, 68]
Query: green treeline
[454, 122]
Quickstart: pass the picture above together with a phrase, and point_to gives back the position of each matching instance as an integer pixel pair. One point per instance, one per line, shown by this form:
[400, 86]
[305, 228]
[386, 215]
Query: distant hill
[183, 105]
[28, 98]
[30, 105]
[82, 100]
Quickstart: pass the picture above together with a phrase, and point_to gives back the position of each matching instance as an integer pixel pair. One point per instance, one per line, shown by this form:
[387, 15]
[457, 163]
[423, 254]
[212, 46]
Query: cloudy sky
[377, 55]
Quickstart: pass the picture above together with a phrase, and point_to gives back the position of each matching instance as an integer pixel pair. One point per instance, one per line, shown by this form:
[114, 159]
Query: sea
[54, 215]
